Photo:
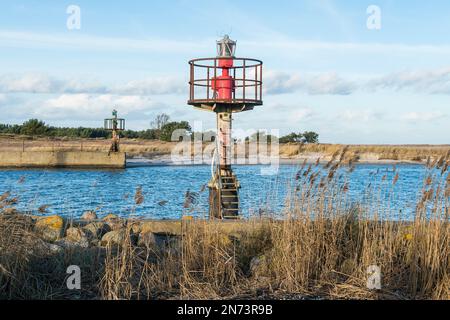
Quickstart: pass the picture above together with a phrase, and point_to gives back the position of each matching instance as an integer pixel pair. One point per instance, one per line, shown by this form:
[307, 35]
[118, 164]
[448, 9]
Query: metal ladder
[227, 191]
[229, 195]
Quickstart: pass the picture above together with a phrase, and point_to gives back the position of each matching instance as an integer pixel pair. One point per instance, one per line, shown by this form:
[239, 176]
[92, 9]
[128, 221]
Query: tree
[38, 127]
[34, 127]
[168, 129]
[160, 121]
[310, 137]
[149, 134]
[261, 136]
[305, 137]
[206, 136]
[292, 138]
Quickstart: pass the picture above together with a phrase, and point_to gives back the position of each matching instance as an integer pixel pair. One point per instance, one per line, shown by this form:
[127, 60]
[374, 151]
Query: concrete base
[61, 159]
[176, 227]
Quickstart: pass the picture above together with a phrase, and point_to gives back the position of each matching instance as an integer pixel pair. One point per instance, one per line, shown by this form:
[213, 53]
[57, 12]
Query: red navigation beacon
[225, 85]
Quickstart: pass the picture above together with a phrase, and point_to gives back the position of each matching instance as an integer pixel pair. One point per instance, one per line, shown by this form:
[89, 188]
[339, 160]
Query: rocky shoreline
[58, 233]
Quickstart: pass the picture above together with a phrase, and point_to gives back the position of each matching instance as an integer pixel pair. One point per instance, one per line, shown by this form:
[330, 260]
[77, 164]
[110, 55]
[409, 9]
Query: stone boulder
[50, 228]
[117, 237]
[10, 211]
[89, 216]
[159, 240]
[114, 222]
[148, 240]
[42, 247]
[75, 237]
[96, 230]
[110, 216]
[259, 266]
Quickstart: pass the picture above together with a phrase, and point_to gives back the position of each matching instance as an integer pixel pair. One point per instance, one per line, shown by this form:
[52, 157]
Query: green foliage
[310, 137]
[207, 136]
[34, 127]
[168, 130]
[291, 138]
[305, 137]
[261, 136]
[161, 130]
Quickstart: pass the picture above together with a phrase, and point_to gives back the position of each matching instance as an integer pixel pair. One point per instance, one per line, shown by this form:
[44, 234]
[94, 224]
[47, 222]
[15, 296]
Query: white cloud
[8, 100]
[427, 116]
[319, 84]
[42, 83]
[436, 81]
[87, 106]
[34, 83]
[302, 114]
[433, 81]
[330, 83]
[360, 115]
[150, 86]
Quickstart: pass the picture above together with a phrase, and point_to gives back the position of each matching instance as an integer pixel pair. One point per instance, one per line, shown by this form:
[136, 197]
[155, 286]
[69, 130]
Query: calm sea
[71, 192]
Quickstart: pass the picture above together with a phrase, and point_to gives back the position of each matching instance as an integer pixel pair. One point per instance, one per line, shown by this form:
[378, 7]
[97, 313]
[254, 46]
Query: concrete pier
[61, 159]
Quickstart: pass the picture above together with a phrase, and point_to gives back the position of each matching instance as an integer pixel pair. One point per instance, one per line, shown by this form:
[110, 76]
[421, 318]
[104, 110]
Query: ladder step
[229, 196]
[231, 217]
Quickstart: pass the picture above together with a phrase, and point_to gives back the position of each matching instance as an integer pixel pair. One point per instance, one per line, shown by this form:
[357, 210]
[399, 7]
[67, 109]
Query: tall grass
[321, 247]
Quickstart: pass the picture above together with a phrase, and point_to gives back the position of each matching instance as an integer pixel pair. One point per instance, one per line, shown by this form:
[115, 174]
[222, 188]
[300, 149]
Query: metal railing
[109, 124]
[246, 73]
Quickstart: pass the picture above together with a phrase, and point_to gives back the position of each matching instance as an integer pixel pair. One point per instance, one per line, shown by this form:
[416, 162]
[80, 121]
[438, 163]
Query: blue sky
[324, 69]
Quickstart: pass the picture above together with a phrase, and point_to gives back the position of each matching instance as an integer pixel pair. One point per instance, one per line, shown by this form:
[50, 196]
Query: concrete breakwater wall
[61, 159]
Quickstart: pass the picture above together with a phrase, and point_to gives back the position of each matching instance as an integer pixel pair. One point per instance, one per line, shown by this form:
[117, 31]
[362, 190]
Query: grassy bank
[153, 148]
[321, 246]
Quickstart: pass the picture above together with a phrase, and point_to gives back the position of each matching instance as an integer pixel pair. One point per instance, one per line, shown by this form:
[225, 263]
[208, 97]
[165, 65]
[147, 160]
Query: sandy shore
[158, 153]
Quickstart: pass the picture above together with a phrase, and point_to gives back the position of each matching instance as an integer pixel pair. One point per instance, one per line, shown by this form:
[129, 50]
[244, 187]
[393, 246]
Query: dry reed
[321, 247]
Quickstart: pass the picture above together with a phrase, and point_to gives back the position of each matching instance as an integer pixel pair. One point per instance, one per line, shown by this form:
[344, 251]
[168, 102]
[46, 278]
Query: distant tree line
[161, 128]
[305, 137]
[34, 127]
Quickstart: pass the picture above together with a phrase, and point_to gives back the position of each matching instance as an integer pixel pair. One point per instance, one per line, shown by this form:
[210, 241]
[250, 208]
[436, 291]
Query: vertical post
[191, 81]
[243, 76]
[207, 85]
[260, 81]
[215, 76]
[234, 89]
[224, 138]
[23, 145]
[256, 82]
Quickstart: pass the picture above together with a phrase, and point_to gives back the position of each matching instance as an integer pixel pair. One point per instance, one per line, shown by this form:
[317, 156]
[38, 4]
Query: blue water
[70, 192]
